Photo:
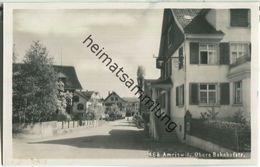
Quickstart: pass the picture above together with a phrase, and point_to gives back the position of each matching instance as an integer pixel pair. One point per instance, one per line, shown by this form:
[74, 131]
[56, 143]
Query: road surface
[117, 139]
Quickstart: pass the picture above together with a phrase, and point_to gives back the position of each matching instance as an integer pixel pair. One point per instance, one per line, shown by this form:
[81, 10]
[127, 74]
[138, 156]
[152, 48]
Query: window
[238, 92]
[239, 17]
[75, 98]
[170, 36]
[80, 106]
[207, 93]
[238, 51]
[208, 53]
[116, 98]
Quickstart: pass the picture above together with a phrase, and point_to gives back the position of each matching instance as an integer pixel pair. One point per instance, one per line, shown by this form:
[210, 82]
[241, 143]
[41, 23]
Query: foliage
[63, 101]
[96, 109]
[140, 81]
[239, 117]
[211, 114]
[140, 72]
[34, 87]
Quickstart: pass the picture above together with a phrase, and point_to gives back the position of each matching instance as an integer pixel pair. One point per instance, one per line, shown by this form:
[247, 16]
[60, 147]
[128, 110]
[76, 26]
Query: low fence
[47, 129]
[230, 135]
[75, 124]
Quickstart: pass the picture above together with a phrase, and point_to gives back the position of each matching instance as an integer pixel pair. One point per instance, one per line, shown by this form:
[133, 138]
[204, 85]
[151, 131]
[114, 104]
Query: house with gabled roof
[69, 77]
[114, 99]
[66, 74]
[204, 59]
[87, 102]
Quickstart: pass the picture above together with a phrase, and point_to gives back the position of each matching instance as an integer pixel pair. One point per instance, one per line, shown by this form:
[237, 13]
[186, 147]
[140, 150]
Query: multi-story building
[132, 104]
[113, 99]
[204, 60]
[87, 102]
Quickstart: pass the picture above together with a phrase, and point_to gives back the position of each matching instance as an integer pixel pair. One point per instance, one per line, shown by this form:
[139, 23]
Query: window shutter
[194, 94]
[194, 53]
[177, 96]
[224, 94]
[183, 97]
[224, 53]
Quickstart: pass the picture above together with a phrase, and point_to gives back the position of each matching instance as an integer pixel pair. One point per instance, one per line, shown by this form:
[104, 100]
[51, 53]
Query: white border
[7, 83]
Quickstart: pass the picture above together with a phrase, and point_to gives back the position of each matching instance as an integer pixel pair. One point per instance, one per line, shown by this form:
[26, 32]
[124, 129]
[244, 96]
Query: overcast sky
[130, 38]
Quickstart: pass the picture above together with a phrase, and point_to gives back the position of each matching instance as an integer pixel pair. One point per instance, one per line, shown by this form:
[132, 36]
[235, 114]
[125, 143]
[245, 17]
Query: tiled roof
[67, 72]
[193, 21]
[113, 93]
[72, 81]
[131, 99]
[85, 94]
[185, 16]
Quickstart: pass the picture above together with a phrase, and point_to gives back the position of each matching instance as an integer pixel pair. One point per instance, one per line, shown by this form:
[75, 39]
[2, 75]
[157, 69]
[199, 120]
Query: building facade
[85, 102]
[204, 60]
[113, 99]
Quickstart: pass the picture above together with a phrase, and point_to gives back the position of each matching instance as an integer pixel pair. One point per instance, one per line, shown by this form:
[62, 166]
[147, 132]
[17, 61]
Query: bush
[235, 136]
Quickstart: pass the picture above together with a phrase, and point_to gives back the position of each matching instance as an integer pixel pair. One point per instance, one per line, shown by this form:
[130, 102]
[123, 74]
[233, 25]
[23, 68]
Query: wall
[52, 128]
[205, 145]
[44, 129]
[222, 22]
[178, 78]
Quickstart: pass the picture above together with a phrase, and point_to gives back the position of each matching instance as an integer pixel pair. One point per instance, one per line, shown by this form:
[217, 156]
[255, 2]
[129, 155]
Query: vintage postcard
[128, 84]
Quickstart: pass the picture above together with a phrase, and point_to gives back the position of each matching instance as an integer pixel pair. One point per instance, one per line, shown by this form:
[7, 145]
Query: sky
[130, 37]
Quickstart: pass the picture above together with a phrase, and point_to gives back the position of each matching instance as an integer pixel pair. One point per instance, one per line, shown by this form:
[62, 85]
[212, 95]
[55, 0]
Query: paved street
[117, 139]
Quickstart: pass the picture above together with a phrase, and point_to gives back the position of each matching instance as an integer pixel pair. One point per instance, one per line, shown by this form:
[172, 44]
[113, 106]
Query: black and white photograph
[175, 84]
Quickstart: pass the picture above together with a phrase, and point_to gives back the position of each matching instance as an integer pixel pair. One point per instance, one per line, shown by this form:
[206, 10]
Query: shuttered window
[239, 17]
[208, 53]
[194, 53]
[224, 94]
[239, 51]
[207, 93]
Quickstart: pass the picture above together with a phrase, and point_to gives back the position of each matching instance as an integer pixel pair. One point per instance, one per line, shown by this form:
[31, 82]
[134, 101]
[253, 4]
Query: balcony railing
[240, 60]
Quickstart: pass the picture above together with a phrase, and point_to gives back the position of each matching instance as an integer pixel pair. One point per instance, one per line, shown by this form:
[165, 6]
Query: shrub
[239, 117]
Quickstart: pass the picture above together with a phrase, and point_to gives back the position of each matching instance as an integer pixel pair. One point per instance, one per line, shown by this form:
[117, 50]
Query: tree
[63, 102]
[140, 81]
[35, 93]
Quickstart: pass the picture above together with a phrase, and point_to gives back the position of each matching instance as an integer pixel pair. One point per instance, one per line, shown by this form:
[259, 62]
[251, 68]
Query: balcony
[240, 60]
[240, 69]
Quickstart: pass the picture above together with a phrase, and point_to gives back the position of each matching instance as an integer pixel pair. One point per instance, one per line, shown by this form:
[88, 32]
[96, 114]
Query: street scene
[165, 83]
[117, 139]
